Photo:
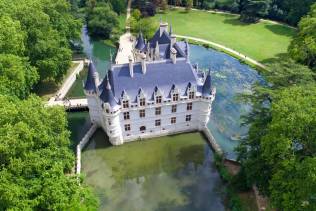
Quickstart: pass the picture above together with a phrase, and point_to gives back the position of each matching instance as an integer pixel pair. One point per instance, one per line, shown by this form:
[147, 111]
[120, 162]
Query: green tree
[12, 37]
[101, 21]
[145, 25]
[36, 160]
[303, 47]
[252, 10]
[17, 76]
[189, 5]
[118, 6]
[164, 5]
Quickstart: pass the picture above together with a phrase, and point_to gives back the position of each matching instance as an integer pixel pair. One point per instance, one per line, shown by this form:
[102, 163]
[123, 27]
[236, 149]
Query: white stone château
[159, 94]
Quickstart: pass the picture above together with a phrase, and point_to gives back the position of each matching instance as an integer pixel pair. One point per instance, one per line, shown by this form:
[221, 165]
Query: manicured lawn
[260, 41]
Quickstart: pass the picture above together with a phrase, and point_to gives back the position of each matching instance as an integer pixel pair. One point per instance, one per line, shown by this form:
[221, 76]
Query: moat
[168, 173]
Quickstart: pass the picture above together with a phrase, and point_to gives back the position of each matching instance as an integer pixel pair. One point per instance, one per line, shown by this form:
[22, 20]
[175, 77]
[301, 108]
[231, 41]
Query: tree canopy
[303, 47]
[101, 20]
[36, 160]
[41, 31]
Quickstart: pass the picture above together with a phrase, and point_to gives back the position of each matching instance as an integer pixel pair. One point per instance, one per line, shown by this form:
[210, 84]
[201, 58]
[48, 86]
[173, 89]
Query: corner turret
[207, 86]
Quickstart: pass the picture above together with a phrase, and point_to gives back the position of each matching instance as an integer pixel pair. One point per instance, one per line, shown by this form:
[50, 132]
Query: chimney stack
[163, 27]
[131, 68]
[173, 55]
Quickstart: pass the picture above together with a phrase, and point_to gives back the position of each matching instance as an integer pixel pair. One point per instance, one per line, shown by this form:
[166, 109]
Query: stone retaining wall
[82, 144]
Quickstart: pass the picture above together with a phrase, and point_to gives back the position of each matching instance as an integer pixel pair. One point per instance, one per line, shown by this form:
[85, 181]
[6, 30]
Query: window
[174, 108]
[173, 120]
[142, 102]
[107, 111]
[125, 104]
[191, 95]
[189, 106]
[142, 113]
[188, 118]
[175, 97]
[109, 122]
[157, 122]
[158, 99]
[142, 128]
[126, 115]
[127, 127]
[158, 111]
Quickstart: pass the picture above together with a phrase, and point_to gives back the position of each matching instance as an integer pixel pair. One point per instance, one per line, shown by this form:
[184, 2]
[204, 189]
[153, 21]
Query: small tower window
[126, 115]
[191, 95]
[175, 97]
[158, 111]
[127, 127]
[189, 106]
[157, 122]
[142, 113]
[158, 99]
[142, 102]
[125, 104]
[188, 118]
[173, 120]
[174, 108]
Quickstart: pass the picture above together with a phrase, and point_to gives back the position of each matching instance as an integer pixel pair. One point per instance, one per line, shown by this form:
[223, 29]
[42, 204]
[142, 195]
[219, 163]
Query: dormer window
[142, 102]
[175, 97]
[191, 95]
[158, 99]
[125, 104]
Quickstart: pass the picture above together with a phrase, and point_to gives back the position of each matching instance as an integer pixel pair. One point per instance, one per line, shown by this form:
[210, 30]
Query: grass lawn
[261, 41]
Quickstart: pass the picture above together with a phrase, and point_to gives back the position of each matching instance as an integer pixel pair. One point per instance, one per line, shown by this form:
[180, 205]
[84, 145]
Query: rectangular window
[175, 97]
[142, 102]
[173, 120]
[125, 104]
[127, 127]
[109, 122]
[189, 106]
[142, 113]
[158, 111]
[157, 122]
[126, 115]
[174, 108]
[191, 95]
[188, 118]
[158, 99]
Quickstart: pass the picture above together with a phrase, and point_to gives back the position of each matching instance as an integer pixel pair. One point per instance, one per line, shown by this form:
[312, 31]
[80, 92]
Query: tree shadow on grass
[235, 21]
[274, 59]
[280, 30]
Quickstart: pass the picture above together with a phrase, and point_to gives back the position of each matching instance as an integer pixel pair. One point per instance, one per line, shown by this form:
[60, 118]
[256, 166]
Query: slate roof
[140, 44]
[206, 91]
[163, 39]
[90, 82]
[107, 94]
[163, 75]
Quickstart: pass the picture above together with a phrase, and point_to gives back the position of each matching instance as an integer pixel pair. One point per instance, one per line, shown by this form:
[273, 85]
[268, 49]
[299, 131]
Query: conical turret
[207, 86]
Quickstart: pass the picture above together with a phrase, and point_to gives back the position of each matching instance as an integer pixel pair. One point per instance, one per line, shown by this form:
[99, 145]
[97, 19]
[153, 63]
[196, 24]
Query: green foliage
[303, 47]
[17, 76]
[101, 20]
[282, 136]
[41, 30]
[118, 6]
[146, 25]
[35, 159]
[252, 10]
[136, 14]
[12, 37]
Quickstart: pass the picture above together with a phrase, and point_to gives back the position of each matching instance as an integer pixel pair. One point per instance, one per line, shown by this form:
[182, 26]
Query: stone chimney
[131, 66]
[143, 61]
[163, 27]
[157, 51]
[173, 55]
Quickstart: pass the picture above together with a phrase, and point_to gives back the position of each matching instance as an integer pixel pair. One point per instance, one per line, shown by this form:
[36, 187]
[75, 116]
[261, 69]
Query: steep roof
[161, 74]
[207, 84]
[90, 82]
[163, 39]
[140, 44]
[107, 94]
